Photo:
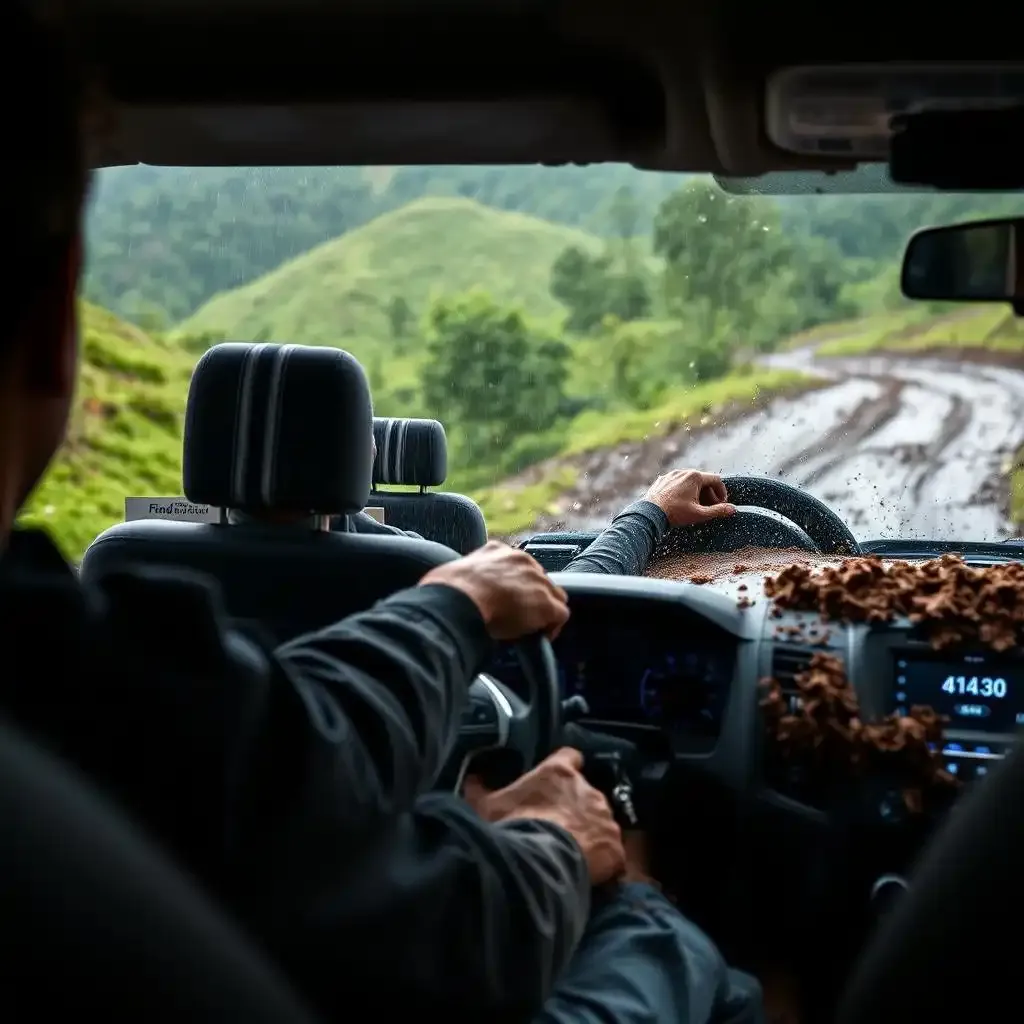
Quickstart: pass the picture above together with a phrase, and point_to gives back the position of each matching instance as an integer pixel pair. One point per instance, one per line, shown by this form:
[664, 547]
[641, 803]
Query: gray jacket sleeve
[626, 546]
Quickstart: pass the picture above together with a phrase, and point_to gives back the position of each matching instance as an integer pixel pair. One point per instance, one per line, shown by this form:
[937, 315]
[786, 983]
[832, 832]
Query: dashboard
[759, 854]
[685, 662]
[641, 664]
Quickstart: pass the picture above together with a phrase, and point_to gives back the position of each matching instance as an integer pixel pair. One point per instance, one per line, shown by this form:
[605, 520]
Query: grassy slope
[991, 328]
[125, 433]
[340, 291]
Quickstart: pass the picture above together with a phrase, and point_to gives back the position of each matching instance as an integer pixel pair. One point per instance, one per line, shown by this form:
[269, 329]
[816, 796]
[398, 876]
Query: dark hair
[45, 88]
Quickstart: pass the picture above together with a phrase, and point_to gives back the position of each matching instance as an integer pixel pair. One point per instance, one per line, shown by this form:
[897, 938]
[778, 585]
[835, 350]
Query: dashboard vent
[553, 557]
[788, 661]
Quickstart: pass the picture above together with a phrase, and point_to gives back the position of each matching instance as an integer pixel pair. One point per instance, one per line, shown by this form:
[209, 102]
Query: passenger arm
[626, 546]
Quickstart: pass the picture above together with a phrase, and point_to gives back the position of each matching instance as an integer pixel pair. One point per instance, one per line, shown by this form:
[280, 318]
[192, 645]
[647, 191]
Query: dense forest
[162, 241]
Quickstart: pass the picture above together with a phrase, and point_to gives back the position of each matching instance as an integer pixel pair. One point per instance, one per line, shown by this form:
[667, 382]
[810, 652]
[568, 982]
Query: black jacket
[294, 784]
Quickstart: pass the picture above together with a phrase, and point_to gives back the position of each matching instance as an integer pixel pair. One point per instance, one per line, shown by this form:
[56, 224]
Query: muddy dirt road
[898, 447]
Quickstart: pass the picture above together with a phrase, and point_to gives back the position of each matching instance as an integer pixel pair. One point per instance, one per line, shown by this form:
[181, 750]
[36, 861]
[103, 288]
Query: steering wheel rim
[769, 513]
[967, 879]
[497, 719]
[831, 535]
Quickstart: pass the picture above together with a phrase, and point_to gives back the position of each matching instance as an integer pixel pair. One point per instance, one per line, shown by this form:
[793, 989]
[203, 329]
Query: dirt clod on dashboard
[823, 735]
[953, 603]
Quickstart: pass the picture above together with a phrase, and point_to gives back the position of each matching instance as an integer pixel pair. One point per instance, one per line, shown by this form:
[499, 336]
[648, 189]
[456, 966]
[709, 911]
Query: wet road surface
[898, 447]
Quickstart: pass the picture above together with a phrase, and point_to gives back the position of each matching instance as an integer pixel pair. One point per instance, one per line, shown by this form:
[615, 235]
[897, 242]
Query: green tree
[591, 289]
[624, 213]
[491, 372]
[399, 317]
[629, 298]
[578, 281]
[719, 251]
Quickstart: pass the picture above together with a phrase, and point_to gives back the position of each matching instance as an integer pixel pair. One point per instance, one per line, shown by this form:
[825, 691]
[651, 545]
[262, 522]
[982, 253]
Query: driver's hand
[638, 858]
[513, 593]
[689, 497]
[556, 791]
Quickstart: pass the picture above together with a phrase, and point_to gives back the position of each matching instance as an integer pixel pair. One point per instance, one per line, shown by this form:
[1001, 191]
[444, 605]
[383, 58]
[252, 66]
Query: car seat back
[287, 430]
[414, 452]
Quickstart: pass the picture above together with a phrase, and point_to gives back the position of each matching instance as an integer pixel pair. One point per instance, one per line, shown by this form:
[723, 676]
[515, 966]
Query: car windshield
[577, 331]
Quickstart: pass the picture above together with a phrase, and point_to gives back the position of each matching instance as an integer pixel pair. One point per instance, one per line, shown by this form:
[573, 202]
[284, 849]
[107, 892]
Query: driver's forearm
[441, 914]
[381, 696]
[626, 546]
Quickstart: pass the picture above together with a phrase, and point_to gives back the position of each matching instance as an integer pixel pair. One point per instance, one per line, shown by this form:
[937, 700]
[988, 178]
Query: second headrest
[411, 452]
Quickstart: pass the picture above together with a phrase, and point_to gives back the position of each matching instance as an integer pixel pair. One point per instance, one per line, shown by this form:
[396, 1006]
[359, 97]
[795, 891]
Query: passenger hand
[556, 791]
[689, 497]
[513, 593]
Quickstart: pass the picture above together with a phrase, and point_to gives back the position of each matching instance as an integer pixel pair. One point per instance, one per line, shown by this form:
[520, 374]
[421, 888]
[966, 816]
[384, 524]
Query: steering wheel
[920, 965]
[496, 719]
[769, 514]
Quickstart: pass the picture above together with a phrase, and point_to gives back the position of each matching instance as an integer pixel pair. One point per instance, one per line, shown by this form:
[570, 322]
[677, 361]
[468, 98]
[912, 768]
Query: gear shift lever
[604, 771]
[574, 708]
[604, 761]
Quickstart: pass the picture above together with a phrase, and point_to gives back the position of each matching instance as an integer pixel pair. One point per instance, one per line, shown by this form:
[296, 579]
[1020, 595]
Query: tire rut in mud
[953, 426]
[845, 439]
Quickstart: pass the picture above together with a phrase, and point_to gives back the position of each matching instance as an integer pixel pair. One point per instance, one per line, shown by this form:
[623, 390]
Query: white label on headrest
[375, 512]
[180, 509]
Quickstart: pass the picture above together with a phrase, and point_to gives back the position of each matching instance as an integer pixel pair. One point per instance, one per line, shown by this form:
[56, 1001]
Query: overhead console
[857, 110]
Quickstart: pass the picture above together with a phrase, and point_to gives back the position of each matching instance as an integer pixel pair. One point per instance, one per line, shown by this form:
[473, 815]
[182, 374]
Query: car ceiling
[660, 84]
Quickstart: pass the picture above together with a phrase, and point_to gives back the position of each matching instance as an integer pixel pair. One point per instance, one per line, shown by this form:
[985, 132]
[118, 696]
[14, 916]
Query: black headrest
[285, 427]
[410, 452]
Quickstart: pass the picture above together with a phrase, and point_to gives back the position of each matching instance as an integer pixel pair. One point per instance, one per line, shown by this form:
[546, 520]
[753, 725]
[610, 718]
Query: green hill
[340, 293]
[193, 232]
[125, 433]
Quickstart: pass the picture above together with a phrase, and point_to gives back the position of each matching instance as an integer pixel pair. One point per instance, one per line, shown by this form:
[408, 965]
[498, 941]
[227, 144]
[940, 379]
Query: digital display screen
[975, 691]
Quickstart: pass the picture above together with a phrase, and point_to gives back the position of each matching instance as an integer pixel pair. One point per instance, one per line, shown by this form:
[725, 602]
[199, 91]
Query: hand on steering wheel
[496, 719]
[765, 513]
[513, 594]
[517, 601]
[688, 497]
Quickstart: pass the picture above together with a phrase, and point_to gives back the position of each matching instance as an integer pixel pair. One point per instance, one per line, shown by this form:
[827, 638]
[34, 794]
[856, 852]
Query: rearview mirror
[979, 262]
